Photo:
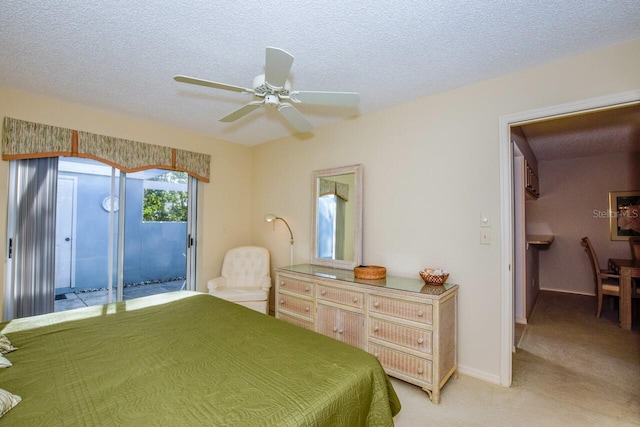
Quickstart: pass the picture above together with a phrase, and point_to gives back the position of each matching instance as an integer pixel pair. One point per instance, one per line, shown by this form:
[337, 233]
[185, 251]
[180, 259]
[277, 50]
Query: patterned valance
[332, 187]
[196, 164]
[27, 140]
[21, 139]
[127, 155]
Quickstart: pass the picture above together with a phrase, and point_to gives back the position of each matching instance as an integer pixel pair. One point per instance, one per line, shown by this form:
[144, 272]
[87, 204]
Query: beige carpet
[570, 369]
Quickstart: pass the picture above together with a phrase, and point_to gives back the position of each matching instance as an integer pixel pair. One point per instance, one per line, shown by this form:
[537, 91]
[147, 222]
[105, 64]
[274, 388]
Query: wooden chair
[607, 281]
[634, 242]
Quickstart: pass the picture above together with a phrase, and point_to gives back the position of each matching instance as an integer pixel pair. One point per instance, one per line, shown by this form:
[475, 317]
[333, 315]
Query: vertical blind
[32, 263]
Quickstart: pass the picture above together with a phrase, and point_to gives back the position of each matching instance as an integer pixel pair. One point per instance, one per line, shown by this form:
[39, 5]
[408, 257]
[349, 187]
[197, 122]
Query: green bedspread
[187, 359]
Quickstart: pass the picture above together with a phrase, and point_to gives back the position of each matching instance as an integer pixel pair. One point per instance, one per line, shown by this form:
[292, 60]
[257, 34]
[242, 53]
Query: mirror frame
[357, 198]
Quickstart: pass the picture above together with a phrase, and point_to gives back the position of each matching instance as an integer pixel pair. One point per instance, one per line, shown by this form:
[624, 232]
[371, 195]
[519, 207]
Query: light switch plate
[485, 237]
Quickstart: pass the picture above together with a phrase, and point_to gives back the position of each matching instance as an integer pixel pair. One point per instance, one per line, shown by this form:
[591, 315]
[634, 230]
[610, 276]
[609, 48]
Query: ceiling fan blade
[215, 85]
[242, 111]
[277, 66]
[340, 99]
[294, 117]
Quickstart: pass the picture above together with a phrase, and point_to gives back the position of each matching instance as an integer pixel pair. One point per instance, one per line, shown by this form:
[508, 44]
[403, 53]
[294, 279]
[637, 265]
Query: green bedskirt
[187, 359]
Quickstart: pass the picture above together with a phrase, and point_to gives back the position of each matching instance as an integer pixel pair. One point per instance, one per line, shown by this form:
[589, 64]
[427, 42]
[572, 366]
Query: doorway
[66, 231]
[508, 221]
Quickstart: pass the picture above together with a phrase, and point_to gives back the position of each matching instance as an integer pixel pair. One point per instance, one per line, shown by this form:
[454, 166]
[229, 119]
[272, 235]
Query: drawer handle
[376, 329]
[306, 289]
[420, 340]
[355, 299]
[306, 308]
[322, 292]
[420, 313]
[335, 329]
[281, 302]
[420, 370]
[376, 355]
[340, 331]
[282, 283]
[376, 304]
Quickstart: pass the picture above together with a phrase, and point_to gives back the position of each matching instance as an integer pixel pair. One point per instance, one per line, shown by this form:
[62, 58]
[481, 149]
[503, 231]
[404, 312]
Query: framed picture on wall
[624, 214]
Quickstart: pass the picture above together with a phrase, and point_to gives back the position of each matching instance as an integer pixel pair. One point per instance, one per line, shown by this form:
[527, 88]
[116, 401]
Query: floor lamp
[272, 218]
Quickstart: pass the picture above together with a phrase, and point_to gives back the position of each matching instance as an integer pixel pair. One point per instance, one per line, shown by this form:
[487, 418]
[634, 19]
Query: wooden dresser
[409, 326]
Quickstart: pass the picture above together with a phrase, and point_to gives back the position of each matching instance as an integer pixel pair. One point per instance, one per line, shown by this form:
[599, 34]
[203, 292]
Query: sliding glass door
[155, 232]
[119, 235]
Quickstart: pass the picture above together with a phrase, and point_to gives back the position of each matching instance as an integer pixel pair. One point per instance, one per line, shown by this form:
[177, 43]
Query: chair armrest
[216, 284]
[609, 275]
[265, 283]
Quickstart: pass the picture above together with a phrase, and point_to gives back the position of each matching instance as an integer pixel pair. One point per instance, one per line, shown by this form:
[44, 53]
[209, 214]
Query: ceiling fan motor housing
[261, 87]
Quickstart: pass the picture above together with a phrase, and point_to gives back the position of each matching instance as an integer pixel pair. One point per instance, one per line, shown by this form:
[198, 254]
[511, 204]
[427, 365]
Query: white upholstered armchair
[245, 278]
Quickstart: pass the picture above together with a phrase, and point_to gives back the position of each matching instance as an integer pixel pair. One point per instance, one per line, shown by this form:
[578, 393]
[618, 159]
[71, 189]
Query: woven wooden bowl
[431, 279]
[369, 272]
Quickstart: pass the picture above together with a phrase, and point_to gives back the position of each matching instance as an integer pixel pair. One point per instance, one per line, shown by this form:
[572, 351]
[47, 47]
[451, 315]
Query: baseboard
[481, 375]
[521, 320]
[564, 291]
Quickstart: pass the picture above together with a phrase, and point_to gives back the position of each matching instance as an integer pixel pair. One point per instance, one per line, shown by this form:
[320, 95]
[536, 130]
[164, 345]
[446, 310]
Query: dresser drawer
[295, 305]
[408, 310]
[341, 296]
[296, 321]
[297, 286]
[406, 336]
[415, 367]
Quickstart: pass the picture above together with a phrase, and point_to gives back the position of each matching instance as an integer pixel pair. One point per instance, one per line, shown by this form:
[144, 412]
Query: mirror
[337, 217]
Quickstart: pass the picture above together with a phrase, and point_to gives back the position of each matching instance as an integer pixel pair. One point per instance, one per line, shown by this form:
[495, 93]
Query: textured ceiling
[590, 134]
[121, 56]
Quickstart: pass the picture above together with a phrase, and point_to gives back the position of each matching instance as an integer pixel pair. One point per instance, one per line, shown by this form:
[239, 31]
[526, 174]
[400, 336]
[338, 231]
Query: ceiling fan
[272, 89]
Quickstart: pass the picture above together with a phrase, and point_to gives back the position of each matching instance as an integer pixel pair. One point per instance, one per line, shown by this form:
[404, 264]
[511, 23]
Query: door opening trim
[507, 209]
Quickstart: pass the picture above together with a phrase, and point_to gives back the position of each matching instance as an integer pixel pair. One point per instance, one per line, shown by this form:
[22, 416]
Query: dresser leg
[433, 395]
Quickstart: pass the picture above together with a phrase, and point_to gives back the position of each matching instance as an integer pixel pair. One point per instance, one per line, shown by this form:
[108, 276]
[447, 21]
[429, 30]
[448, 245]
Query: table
[540, 239]
[628, 269]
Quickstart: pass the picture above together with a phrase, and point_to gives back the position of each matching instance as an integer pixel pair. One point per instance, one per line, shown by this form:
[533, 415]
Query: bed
[187, 358]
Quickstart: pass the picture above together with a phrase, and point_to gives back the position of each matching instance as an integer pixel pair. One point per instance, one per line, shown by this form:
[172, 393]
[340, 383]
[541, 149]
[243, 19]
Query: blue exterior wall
[153, 251]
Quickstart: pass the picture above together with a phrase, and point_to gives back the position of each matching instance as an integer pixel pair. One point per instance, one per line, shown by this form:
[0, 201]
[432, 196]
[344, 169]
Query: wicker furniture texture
[409, 326]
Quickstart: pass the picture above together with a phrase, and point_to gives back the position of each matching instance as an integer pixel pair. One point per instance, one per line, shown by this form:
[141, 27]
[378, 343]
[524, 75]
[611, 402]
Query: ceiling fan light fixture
[274, 90]
[271, 100]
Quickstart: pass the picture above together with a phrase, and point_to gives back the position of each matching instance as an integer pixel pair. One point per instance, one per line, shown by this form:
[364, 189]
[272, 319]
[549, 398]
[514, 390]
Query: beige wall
[572, 189]
[431, 167]
[225, 202]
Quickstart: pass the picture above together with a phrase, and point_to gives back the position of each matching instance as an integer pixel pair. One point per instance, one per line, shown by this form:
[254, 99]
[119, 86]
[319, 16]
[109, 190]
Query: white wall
[225, 202]
[572, 189]
[431, 167]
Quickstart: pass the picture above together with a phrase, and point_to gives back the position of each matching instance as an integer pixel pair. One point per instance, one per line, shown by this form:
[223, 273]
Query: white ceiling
[122, 56]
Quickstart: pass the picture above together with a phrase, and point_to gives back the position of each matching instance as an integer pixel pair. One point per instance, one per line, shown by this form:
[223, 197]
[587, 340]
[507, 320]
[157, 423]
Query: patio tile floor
[86, 299]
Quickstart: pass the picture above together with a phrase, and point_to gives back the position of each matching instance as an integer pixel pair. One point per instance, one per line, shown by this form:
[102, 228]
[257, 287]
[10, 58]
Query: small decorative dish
[434, 276]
